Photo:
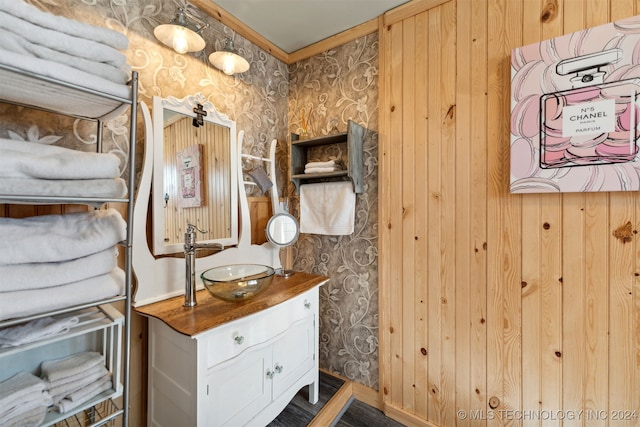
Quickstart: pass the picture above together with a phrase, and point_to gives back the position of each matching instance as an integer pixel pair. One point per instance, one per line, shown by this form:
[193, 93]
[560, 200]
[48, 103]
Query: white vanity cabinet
[242, 372]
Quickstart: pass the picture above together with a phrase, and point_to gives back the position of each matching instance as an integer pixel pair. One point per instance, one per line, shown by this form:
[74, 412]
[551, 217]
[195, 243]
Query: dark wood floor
[300, 412]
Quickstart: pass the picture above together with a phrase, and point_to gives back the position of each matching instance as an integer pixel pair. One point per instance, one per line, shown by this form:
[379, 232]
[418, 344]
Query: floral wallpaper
[331, 88]
[266, 102]
[256, 100]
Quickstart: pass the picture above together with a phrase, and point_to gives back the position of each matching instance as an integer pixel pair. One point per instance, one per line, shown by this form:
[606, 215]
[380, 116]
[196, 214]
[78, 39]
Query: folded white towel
[63, 387]
[53, 39]
[327, 208]
[97, 188]
[18, 388]
[16, 43]
[25, 303]
[67, 74]
[28, 403]
[29, 418]
[24, 159]
[20, 277]
[36, 330]
[53, 238]
[91, 388]
[84, 395]
[60, 23]
[54, 370]
[325, 164]
[325, 169]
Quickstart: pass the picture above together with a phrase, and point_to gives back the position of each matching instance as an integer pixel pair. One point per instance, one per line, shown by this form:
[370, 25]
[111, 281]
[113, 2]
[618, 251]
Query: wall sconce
[180, 34]
[228, 59]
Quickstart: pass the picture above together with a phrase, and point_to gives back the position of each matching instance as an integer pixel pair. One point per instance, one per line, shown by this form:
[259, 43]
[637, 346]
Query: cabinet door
[239, 388]
[293, 355]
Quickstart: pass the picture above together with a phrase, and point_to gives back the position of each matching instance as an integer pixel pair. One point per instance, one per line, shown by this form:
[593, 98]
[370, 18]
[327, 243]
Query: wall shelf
[352, 139]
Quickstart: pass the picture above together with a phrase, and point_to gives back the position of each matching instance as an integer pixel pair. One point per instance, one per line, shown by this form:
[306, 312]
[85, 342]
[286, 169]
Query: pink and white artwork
[575, 111]
[190, 176]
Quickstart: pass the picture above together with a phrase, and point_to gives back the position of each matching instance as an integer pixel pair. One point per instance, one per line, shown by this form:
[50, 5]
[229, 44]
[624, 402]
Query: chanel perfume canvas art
[190, 176]
[575, 111]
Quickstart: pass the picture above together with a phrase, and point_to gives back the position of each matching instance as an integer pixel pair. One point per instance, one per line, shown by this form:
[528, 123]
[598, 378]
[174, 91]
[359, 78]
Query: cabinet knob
[270, 374]
[307, 304]
[239, 339]
[278, 368]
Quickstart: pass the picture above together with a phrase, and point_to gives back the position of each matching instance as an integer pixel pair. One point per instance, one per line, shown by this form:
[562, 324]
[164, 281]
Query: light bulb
[180, 42]
[228, 64]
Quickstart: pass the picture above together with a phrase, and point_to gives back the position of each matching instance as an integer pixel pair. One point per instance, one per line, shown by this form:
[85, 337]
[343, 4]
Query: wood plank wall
[213, 217]
[528, 303]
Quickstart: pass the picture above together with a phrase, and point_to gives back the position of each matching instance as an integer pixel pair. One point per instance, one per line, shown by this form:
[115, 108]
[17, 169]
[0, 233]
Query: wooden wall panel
[527, 302]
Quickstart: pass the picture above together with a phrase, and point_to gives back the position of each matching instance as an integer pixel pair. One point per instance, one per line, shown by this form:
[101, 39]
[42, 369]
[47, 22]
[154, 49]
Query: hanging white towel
[327, 208]
[53, 238]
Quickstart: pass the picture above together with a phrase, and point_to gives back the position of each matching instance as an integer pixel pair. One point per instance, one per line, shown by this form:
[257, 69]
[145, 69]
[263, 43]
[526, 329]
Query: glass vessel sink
[237, 282]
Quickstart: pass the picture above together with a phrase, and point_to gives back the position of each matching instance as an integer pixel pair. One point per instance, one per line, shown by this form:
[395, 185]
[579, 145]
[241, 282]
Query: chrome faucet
[190, 247]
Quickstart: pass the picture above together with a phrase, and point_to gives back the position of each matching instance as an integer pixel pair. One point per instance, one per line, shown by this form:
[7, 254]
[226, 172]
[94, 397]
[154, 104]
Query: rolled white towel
[60, 23]
[54, 370]
[36, 330]
[24, 159]
[54, 238]
[84, 395]
[38, 275]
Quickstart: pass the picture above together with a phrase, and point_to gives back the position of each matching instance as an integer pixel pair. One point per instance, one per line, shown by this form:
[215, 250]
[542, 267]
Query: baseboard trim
[404, 417]
[350, 390]
[335, 407]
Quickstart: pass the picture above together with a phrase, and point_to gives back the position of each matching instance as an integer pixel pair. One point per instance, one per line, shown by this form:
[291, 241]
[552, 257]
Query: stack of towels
[323, 167]
[23, 401]
[33, 169]
[62, 48]
[52, 262]
[75, 379]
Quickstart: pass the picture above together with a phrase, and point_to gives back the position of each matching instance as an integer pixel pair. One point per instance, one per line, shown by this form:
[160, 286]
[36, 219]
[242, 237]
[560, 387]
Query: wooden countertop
[211, 312]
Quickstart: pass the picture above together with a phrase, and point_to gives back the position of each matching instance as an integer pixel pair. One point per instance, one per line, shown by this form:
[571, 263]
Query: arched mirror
[194, 173]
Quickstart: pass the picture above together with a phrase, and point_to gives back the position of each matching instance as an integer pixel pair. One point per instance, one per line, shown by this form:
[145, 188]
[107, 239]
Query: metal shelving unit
[106, 323]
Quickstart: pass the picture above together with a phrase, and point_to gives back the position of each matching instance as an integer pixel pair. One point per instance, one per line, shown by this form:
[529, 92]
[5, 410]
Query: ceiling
[294, 24]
